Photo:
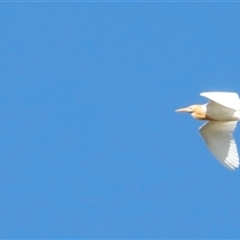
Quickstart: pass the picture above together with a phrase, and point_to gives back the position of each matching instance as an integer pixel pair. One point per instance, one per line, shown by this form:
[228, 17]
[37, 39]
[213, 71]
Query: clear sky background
[90, 144]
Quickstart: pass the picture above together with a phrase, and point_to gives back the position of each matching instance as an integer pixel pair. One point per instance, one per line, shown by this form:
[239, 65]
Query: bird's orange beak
[183, 110]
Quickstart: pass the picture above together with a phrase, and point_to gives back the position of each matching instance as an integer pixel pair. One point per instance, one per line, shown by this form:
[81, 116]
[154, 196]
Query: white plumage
[226, 99]
[222, 113]
[219, 139]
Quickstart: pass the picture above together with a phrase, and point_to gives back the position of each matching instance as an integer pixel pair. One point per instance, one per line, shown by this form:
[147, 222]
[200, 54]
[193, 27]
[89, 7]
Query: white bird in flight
[222, 113]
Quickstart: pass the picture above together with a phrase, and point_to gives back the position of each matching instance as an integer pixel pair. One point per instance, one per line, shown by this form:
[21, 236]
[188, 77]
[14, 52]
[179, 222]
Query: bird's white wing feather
[219, 139]
[226, 99]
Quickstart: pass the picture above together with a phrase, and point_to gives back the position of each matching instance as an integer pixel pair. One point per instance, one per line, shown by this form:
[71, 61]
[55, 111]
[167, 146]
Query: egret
[222, 113]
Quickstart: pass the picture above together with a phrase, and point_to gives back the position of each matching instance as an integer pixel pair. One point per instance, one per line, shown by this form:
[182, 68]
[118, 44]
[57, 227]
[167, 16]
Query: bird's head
[197, 111]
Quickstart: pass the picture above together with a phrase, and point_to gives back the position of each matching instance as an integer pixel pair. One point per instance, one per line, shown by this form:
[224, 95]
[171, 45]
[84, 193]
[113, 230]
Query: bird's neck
[200, 112]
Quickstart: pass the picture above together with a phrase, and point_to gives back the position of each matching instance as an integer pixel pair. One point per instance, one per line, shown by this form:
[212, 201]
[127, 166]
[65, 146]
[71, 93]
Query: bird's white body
[222, 113]
[223, 106]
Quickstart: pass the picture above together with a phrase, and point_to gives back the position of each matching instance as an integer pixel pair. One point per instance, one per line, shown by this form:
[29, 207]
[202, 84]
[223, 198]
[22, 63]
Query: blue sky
[90, 144]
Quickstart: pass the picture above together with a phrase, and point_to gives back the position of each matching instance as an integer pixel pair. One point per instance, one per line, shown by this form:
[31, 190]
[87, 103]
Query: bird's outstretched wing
[219, 139]
[226, 99]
